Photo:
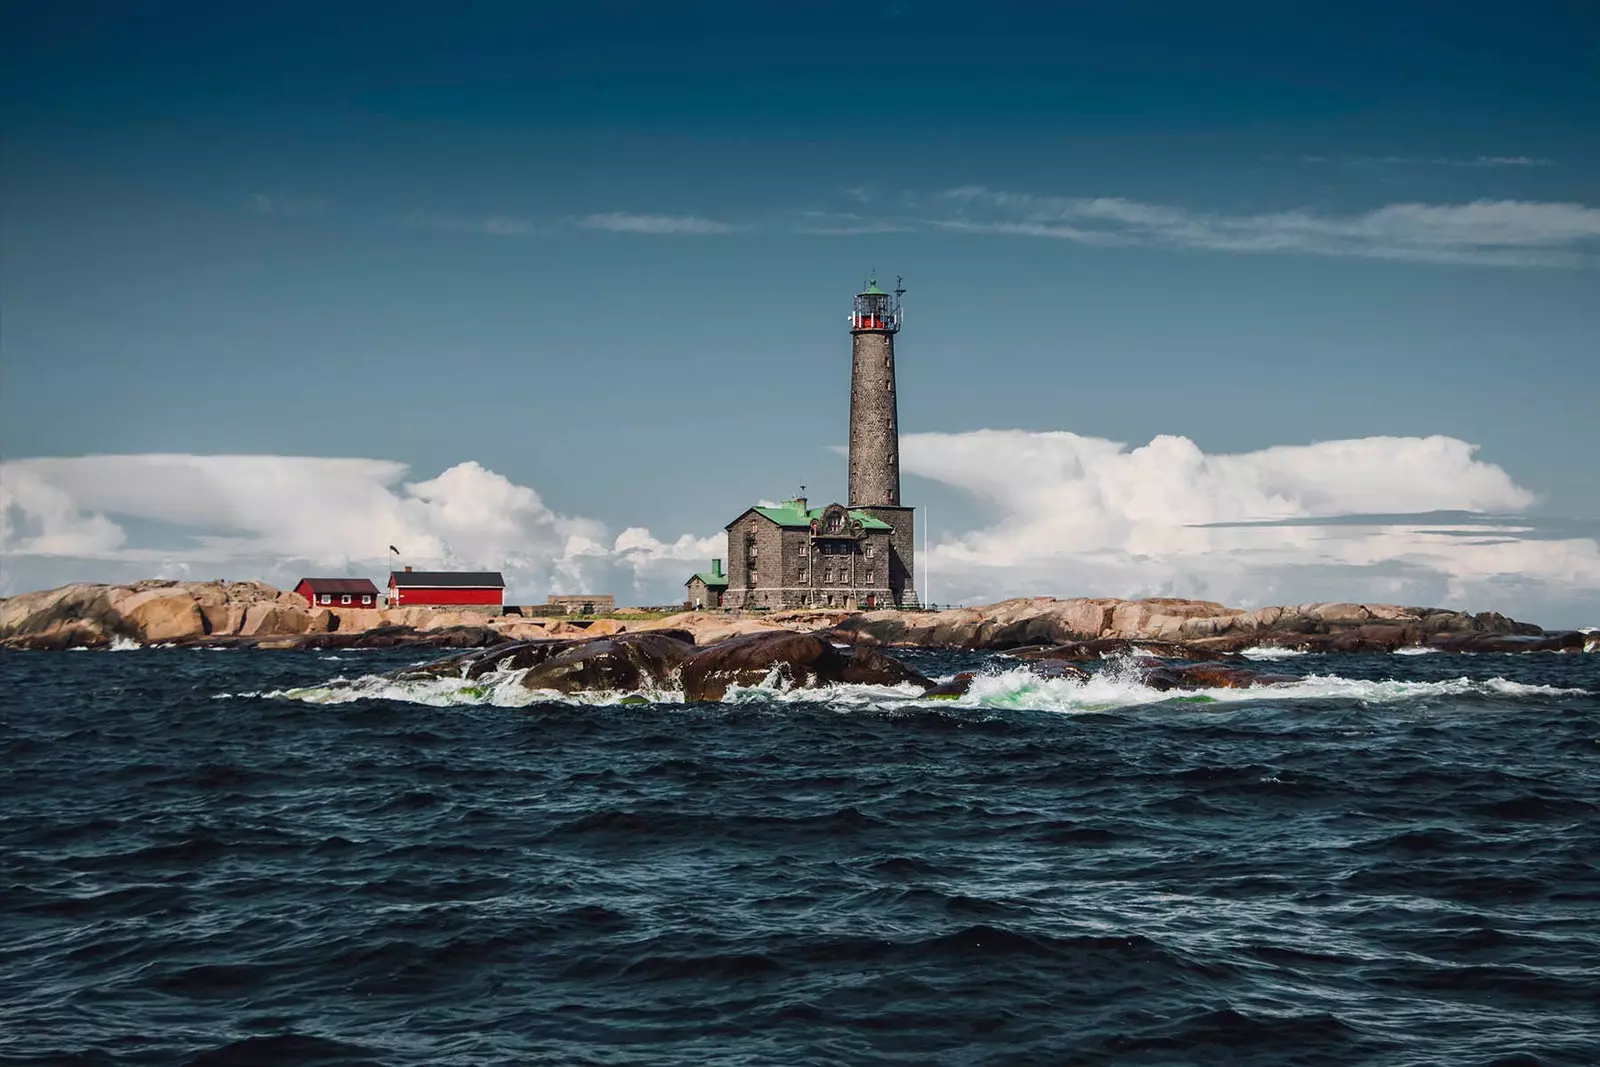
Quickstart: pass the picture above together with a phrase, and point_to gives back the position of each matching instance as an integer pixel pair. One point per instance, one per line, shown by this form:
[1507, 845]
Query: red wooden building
[338, 592]
[472, 590]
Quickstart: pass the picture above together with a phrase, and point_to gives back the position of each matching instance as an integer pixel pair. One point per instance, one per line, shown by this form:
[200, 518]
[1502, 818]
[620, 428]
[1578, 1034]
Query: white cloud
[1058, 513]
[287, 515]
[1487, 232]
[1077, 515]
[622, 222]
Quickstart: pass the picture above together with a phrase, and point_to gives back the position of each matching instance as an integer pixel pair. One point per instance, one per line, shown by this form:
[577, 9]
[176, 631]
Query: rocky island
[1173, 643]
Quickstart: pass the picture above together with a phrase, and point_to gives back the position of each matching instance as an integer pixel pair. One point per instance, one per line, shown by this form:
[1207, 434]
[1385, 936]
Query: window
[869, 550]
[326, 599]
[869, 577]
[345, 599]
[803, 553]
[366, 598]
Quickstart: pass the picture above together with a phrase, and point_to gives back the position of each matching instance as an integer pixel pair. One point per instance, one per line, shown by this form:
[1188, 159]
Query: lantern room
[876, 310]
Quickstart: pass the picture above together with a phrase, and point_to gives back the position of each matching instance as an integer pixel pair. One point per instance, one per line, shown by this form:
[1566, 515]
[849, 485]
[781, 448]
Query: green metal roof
[789, 514]
[872, 289]
[711, 580]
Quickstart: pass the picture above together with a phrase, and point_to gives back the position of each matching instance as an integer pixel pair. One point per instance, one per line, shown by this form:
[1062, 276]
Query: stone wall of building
[793, 571]
[581, 603]
[874, 421]
[698, 592]
[753, 580]
[902, 548]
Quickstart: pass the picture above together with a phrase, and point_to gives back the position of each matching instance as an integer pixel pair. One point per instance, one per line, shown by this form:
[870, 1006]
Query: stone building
[580, 603]
[706, 590]
[858, 554]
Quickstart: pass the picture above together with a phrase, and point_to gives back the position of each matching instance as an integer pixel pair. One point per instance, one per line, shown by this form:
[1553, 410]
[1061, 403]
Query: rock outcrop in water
[667, 659]
[802, 661]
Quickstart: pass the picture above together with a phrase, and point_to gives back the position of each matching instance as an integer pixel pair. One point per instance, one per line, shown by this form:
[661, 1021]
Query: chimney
[800, 503]
[408, 568]
[716, 568]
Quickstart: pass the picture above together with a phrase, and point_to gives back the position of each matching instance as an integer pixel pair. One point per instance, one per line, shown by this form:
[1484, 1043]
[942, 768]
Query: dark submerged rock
[1100, 648]
[806, 660]
[953, 689]
[1559, 641]
[622, 662]
[1207, 676]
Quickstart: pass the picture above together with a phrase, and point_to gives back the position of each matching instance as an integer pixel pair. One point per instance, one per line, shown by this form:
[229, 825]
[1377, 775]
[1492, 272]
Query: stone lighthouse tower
[875, 432]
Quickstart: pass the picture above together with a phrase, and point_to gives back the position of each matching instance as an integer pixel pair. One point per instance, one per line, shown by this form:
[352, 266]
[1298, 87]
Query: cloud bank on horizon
[1380, 519]
[1063, 514]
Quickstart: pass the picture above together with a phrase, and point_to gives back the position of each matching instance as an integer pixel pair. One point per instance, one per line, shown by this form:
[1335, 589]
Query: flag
[395, 550]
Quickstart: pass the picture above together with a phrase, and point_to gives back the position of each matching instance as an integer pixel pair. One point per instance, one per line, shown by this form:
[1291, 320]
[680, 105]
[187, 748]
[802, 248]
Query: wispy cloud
[285, 206]
[1491, 232]
[490, 226]
[1433, 161]
[845, 224]
[623, 222]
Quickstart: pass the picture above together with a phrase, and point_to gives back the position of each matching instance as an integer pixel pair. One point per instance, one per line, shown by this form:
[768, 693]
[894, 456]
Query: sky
[1255, 305]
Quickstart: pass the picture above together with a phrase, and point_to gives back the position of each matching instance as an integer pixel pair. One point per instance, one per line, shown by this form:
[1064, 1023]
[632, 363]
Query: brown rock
[274, 620]
[1085, 651]
[1201, 677]
[1055, 668]
[163, 615]
[805, 661]
[953, 689]
[625, 662]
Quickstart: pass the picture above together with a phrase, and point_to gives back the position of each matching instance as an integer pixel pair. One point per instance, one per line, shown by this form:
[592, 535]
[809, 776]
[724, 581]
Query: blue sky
[604, 257]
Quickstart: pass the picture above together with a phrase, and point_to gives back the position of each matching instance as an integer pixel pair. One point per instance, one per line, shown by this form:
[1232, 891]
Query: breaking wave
[1117, 686]
[1271, 652]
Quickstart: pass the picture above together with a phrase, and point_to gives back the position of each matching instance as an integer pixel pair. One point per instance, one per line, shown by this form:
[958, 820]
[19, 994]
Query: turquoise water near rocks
[228, 857]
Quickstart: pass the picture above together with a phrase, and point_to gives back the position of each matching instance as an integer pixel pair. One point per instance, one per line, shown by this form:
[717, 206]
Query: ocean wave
[124, 644]
[1416, 650]
[1271, 652]
[1118, 686]
[1122, 688]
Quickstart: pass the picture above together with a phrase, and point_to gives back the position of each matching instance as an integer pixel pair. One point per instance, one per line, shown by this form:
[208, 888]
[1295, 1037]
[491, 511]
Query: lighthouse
[875, 431]
[857, 555]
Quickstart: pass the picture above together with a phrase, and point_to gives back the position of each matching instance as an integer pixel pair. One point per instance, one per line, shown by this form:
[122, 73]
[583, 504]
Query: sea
[248, 857]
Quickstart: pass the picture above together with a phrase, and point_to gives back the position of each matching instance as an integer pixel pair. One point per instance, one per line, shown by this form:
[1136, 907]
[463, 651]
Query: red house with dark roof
[338, 592]
[469, 590]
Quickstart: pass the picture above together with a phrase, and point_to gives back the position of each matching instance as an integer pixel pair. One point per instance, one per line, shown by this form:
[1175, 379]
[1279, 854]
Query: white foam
[1416, 650]
[1117, 686]
[124, 644]
[1121, 688]
[1271, 652]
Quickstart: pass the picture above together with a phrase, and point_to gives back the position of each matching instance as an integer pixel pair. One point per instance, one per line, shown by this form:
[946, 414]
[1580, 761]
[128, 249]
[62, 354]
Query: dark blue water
[1350, 871]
